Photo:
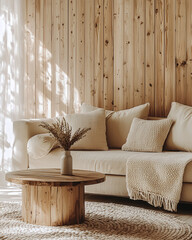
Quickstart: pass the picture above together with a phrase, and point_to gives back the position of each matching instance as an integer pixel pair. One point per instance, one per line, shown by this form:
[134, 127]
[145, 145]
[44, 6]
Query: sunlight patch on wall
[11, 77]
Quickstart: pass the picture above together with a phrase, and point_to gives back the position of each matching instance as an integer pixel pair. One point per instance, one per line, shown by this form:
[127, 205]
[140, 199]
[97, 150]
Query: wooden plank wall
[114, 54]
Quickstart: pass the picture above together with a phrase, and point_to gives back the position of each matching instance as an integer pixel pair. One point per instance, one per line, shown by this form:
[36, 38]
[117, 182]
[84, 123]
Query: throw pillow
[40, 145]
[118, 123]
[95, 138]
[180, 135]
[147, 135]
[88, 108]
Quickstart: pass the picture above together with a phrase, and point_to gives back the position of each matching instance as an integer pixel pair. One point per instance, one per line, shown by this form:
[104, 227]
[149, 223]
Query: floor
[13, 193]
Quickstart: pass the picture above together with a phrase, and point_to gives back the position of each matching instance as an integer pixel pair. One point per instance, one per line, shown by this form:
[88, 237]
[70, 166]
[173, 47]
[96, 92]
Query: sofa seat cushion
[111, 162]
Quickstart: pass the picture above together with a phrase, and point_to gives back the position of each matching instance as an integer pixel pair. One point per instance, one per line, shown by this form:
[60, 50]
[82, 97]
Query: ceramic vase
[66, 163]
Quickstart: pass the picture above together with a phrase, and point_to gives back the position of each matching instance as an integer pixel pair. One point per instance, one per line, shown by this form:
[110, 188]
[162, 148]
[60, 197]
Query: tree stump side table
[52, 199]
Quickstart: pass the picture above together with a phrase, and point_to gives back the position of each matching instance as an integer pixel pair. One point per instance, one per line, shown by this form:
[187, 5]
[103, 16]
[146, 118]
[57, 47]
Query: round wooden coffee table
[52, 199]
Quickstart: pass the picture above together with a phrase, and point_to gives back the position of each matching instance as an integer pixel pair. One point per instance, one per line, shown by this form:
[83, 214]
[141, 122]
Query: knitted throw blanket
[157, 177]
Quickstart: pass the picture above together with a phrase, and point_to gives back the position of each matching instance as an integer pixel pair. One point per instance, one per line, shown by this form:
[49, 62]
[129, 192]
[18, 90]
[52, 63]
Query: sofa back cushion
[118, 123]
[95, 138]
[147, 135]
[180, 135]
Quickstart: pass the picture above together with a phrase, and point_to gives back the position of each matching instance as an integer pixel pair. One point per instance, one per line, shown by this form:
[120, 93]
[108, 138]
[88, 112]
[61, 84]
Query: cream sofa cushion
[111, 162]
[40, 145]
[147, 135]
[95, 138]
[180, 135]
[118, 123]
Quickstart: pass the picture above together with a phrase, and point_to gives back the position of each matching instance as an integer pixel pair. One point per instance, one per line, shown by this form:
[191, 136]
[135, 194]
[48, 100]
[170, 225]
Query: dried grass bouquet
[62, 132]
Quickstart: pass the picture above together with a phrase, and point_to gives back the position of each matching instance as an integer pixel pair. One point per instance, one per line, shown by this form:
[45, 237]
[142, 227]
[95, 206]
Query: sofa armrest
[23, 130]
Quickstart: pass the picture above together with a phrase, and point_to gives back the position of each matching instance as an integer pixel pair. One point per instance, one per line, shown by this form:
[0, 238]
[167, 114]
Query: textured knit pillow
[147, 135]
[180, 135]
[95, 139]
[40, 145]
[118, 123]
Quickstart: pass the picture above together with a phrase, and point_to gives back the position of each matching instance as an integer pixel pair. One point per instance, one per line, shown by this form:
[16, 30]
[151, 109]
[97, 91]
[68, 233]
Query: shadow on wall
[11, 74]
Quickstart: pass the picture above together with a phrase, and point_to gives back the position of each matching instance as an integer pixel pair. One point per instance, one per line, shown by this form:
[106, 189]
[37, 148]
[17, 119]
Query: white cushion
[40, 145]
[180, 135]
[147, 135]
[95, 138]
[112, 161]
[118, 123]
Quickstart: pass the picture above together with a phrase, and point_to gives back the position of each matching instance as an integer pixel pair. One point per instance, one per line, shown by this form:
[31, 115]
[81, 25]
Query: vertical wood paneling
[40, 72]
[72, 53]
[129, 51]
[89, 51]
[63, 56]
[108, 54]
[47, 59]
[159, 58]
[118, 55]
[80, 46]
[169, 54]
[98, 79]
[149, 56]
[55, 88]
[30, 59]
[181, 58]
[189, 53]
[139, 57]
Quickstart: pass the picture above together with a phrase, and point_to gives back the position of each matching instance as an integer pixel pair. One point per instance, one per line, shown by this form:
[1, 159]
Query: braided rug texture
[103, 221]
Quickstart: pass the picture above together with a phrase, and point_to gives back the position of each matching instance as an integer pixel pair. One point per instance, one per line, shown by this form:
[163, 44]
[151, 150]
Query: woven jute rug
[103, 221]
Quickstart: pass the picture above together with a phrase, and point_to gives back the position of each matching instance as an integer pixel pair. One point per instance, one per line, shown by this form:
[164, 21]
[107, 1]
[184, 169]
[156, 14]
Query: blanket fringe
[153, 199]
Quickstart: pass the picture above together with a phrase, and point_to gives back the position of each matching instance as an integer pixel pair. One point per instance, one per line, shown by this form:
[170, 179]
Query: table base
[53, 205]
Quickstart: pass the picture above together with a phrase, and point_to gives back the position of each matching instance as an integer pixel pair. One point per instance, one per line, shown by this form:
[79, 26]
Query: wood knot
[183, 63]
[70, 189]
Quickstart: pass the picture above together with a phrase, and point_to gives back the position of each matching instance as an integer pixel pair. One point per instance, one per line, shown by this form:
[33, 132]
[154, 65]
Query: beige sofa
[111, 162]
